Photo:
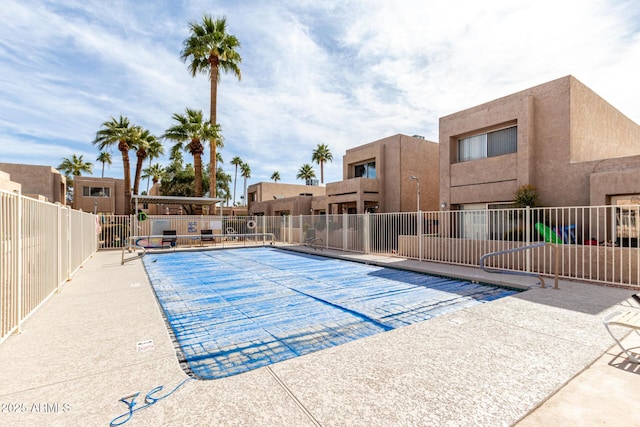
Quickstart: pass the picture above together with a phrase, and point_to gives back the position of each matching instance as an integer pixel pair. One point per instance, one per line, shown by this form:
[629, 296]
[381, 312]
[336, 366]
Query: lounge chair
[629, 319]
[169, 237]
[207, 236]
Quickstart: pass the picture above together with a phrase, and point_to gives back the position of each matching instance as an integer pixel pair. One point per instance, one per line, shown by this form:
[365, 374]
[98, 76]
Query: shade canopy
[175, 200]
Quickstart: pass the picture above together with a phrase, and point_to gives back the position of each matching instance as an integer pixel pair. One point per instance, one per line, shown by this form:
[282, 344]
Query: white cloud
[342, 73]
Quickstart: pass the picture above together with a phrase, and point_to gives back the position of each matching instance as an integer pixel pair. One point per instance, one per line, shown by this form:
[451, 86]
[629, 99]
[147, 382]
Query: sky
[342, 73]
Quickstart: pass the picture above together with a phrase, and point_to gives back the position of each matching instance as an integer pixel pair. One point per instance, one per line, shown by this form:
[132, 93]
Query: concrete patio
[541, 357]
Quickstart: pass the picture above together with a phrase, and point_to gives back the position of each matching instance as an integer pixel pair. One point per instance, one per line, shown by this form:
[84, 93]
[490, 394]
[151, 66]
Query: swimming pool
[239, 309]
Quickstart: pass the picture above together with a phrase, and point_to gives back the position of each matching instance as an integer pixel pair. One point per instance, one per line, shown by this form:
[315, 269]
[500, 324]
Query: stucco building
[560, 136]
[41, 182]
[99, 195]
[377, 177]
[275, 199]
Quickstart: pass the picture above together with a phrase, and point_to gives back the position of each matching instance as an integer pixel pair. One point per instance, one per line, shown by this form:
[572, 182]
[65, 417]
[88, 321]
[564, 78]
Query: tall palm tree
[189, 132]
[306, 172]
[118, 132]
[321, 155]
[154, 151]
[154, 172]
[142, 141]
[245, 172]
[210, 49]
[104, 157]
[236, 161]
[275, 176]
[223, 179]
[75, 165]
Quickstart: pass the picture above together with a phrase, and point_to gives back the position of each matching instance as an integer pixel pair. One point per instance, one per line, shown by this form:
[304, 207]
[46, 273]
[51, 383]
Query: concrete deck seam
[293, 396]
[527, 329]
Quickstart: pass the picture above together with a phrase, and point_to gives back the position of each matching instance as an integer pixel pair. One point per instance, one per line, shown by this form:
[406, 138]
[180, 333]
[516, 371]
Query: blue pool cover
[239, 309]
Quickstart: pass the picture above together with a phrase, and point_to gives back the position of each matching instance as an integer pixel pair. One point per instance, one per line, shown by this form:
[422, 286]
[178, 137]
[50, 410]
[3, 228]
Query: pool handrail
[523, 273]
[132, 241]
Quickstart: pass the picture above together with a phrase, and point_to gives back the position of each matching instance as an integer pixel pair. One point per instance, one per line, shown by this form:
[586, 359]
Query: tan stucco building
[377, 177]
[275, 199]
[561, 137]
[40, 182]
[99, 195]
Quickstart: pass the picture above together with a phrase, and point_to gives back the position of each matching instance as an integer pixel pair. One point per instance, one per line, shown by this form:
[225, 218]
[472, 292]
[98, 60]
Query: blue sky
[343, 73]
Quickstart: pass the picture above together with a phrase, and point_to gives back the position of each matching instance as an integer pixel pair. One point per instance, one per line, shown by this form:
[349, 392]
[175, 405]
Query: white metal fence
[595, 243]
[42, 245]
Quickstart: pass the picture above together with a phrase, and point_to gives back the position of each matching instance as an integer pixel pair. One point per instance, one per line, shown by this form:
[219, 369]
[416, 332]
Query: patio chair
[169, 236]
[628, 319]
[207, 236]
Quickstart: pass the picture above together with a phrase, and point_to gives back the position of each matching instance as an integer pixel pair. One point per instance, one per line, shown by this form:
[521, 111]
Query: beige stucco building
[275, 199]
[41, 182]
[561, 137]
[377, 177]
[99, 195]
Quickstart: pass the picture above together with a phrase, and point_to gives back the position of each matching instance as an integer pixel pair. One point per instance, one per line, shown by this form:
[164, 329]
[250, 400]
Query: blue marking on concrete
[236, 310]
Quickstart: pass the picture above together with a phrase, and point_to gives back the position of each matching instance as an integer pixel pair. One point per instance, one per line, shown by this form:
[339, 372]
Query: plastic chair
[627, 319]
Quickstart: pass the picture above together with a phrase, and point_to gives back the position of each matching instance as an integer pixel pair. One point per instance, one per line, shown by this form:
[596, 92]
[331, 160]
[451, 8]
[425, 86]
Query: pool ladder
[523, 273]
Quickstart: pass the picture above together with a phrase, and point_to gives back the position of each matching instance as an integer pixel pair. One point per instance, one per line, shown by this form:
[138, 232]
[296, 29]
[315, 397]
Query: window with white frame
[490, 144]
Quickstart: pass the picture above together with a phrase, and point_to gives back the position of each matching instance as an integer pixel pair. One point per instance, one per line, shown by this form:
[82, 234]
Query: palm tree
[306, 172]
[154, 172]
[118, 132]
[236, 161]
[245, 172]
[223, 179]
[75, 165]
[142, 141]
[154, 151]
[275, 176]
[320, 155]
[210, 49]
[191, 127]
[104, 157]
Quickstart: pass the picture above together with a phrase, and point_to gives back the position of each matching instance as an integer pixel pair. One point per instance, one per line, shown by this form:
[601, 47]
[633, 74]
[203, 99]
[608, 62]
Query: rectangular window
[96, 191]
[365, 170]
[490, 144]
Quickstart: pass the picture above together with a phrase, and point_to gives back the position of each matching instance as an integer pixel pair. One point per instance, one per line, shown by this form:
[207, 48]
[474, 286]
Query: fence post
[367, 243]
[59, 263]
[326, 231]
[527, 236]
[419, 232]
[68, 244]
[345, 230]
[302, 237]
[19, 256]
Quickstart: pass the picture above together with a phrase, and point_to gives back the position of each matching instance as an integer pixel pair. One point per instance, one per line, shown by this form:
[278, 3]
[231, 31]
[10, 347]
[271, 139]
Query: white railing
[42, 245]
[595, 243]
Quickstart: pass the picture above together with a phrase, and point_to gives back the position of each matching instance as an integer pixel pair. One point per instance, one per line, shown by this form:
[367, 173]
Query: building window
[96, 191]
[365, 170]
[490, 144]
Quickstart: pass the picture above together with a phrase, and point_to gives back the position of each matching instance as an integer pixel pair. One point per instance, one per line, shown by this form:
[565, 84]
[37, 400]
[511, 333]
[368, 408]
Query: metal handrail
[132, 242]
[523, 273]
